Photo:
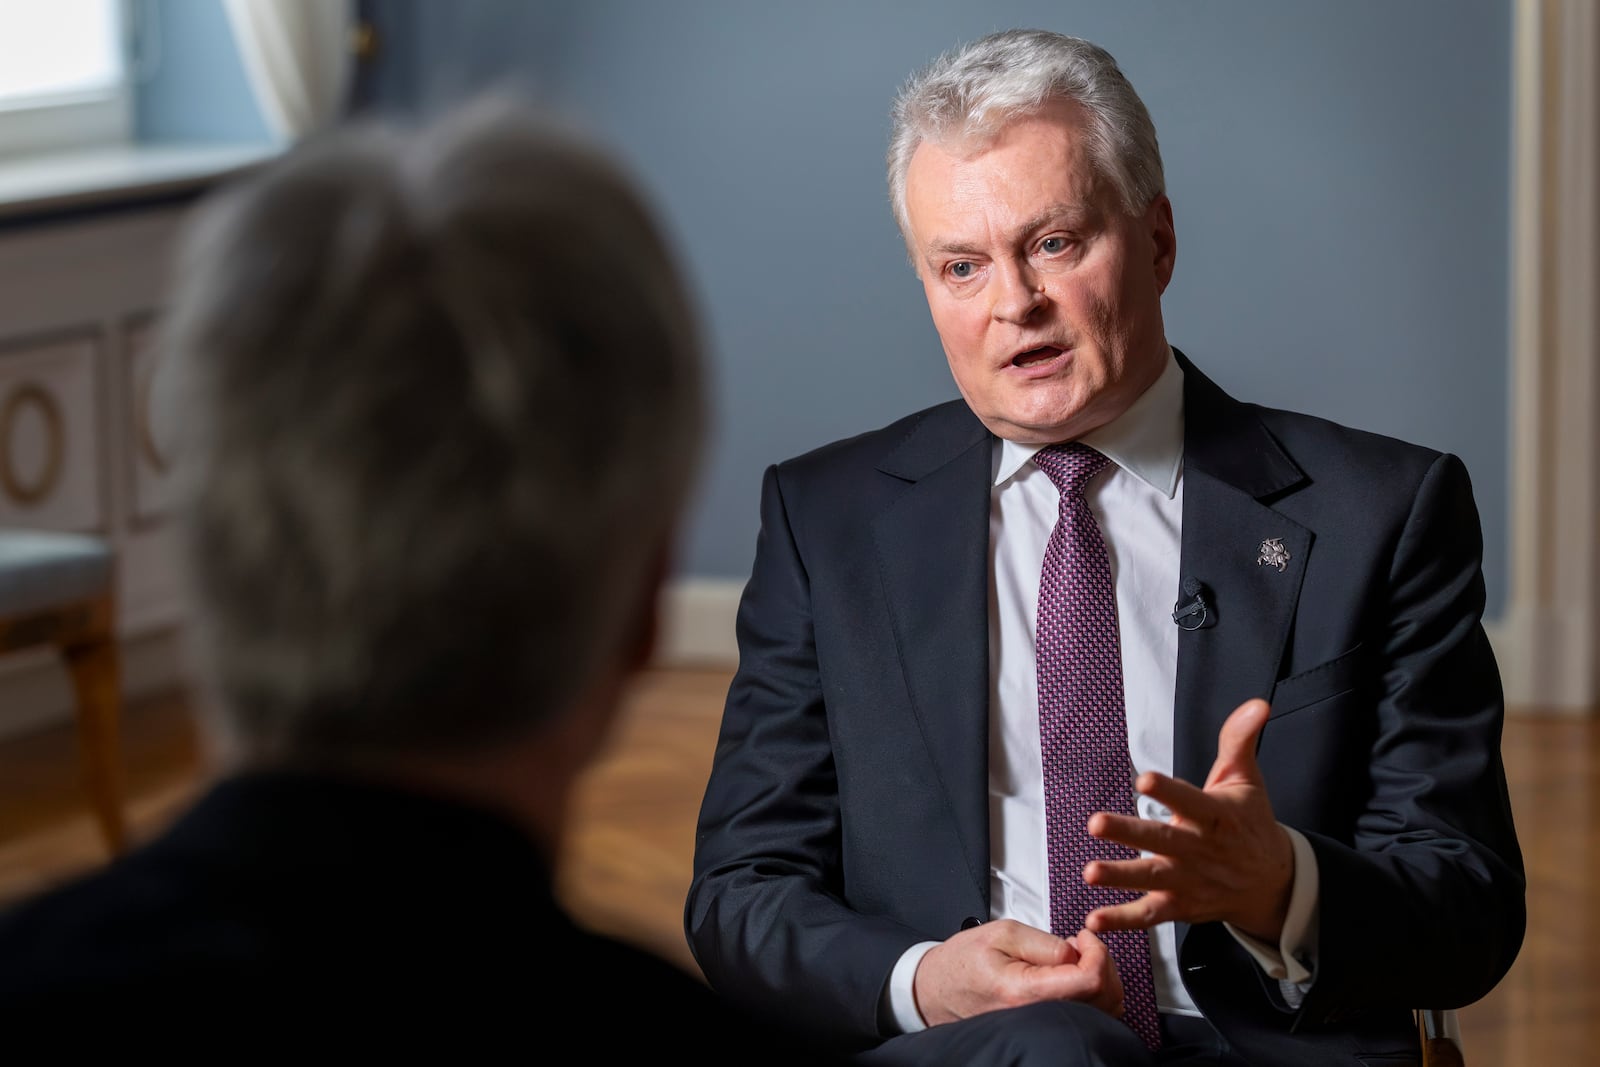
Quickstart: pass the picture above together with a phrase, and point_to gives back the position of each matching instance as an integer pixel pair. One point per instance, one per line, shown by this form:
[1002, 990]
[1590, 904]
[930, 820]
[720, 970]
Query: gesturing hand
[1004, 964]
[1222, 857]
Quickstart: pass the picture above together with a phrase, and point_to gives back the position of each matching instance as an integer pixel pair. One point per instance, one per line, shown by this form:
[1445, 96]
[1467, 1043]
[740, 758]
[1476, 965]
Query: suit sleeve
[1424, 906]
[763, 917]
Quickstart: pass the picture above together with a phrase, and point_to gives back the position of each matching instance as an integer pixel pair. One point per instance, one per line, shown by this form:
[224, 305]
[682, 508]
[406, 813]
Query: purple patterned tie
[1083, 726]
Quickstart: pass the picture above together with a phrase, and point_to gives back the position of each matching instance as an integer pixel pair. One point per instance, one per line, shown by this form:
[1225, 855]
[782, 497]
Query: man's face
[1045, 293]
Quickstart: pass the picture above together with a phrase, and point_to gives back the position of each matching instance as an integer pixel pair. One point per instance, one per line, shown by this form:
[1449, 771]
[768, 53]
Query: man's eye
[961, 269]
[1053, 246]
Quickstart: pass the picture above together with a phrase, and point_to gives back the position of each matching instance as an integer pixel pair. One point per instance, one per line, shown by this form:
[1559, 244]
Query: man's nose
[1020, 293]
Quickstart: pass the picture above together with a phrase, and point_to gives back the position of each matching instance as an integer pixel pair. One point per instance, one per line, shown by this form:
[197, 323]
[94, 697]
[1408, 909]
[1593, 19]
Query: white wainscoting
[697, 623]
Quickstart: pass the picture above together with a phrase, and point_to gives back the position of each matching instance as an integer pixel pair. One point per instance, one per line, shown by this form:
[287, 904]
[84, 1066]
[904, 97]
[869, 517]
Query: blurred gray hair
[443, 405]
[975, 90]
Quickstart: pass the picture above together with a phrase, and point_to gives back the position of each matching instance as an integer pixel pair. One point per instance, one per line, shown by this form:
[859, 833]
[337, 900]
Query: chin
[1049, 428]
[1026, 433]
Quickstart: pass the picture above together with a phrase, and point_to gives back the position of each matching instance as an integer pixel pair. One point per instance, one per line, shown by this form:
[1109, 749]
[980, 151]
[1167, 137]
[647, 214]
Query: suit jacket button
[971, 921]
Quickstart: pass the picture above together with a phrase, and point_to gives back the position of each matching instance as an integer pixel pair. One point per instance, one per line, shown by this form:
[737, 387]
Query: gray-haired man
[894, 843]
[441, 406]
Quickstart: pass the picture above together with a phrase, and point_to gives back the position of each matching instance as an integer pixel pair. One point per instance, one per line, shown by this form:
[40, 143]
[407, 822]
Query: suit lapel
[932, 545]
[932, 542]
[1250, 558]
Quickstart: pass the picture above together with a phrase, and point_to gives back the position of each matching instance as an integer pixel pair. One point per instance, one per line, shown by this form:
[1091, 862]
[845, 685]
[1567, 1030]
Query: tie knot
[1070, 465]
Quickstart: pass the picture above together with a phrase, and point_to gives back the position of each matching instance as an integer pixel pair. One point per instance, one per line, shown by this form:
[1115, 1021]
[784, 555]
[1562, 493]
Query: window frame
[94, 118]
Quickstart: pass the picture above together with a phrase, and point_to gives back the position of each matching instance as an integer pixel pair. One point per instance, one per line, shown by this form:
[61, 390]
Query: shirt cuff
[902, 997]
[1292, 959]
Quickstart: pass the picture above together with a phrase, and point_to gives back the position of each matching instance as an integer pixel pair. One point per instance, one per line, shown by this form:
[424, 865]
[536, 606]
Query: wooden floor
[628, 860]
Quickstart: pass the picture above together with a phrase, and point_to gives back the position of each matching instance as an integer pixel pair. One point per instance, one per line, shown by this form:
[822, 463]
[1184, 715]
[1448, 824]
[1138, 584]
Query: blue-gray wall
[1339, 173]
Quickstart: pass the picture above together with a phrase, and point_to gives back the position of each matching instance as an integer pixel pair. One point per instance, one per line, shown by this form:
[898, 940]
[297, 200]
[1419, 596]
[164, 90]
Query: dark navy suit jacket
[285, 914]
[846, 815]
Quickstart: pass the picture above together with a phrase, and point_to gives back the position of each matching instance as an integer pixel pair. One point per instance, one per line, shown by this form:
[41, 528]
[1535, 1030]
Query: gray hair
[975, 90]
[443, 405]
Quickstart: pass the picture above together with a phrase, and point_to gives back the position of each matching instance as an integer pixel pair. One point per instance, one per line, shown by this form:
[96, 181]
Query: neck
[526, 778]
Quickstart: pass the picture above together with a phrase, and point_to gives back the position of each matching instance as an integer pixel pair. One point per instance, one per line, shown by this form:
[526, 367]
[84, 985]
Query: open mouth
[1033, 357]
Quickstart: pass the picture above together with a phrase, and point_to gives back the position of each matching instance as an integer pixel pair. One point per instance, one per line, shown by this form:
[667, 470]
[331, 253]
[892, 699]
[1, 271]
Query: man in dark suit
[1308, 833]
[441, 405]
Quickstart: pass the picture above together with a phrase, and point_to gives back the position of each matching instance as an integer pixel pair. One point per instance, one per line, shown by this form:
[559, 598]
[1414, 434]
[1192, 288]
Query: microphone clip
[1195, 611]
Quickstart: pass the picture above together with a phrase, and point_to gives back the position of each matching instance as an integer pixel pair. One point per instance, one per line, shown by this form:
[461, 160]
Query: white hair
[975, 90]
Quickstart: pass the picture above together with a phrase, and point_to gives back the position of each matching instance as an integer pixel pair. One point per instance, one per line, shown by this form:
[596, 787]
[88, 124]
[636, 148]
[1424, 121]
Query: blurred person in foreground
[442, 404]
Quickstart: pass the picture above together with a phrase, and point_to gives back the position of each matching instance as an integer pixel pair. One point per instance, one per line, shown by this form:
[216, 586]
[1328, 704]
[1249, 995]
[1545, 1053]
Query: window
[63, 74]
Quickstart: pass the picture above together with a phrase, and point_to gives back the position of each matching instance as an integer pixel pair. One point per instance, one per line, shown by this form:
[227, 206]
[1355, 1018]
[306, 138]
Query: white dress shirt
[1138, 502]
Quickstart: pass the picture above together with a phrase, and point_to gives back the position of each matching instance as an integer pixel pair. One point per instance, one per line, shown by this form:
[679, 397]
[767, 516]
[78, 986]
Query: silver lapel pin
[1273, 554]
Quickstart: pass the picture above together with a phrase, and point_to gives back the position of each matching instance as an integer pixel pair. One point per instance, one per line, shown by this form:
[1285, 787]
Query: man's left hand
[1222, 857]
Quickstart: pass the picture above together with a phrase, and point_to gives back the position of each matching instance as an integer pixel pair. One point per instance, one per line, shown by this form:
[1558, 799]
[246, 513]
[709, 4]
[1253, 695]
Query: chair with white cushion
[56, 591]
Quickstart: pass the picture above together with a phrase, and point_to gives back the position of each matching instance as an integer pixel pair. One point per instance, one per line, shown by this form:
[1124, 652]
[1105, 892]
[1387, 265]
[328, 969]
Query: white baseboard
[1505, 657]
[697, 631]
[1547, 662]
[35, 693]
[699, 618]
[697, 623]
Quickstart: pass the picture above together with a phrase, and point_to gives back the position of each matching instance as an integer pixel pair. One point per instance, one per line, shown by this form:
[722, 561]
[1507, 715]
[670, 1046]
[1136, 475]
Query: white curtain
[1552, 621]
[297, 56]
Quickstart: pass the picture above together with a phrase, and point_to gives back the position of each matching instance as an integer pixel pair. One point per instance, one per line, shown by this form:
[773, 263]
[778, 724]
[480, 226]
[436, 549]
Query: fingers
[1221, 854]
[1146, 873]
[1148, 835]
[1236, 744]
[1235, 764]
[995, 965]
[1147, 911]
[1175, 794]
[1030, 944]
[1093, 953]
[1005, 963]
[1102, 986]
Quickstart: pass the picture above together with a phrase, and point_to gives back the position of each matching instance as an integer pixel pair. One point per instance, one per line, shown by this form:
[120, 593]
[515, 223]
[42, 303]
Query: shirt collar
[1146, 440]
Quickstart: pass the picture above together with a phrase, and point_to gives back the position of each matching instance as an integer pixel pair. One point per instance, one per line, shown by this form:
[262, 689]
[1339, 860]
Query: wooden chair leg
[96, 677]
[1441, 1039]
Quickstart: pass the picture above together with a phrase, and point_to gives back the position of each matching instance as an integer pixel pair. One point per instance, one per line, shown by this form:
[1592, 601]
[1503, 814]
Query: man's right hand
[1004, 964]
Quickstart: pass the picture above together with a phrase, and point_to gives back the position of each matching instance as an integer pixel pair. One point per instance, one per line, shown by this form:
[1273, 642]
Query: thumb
[1093, 953]
[1236, 745]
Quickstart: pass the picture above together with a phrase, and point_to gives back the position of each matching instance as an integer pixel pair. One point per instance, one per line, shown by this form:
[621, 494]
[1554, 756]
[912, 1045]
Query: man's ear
[1163, 239]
